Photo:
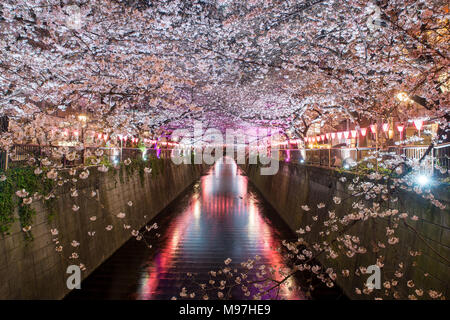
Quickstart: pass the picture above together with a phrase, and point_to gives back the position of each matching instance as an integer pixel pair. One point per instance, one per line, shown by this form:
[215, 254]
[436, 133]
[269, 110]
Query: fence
[342, 157]
[20, 154]
[333, 157]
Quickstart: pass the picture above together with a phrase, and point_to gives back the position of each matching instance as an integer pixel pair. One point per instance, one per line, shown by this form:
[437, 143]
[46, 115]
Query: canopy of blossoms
[143, 66]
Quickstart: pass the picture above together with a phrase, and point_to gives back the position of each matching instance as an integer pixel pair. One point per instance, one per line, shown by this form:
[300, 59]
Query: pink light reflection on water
[223, 219]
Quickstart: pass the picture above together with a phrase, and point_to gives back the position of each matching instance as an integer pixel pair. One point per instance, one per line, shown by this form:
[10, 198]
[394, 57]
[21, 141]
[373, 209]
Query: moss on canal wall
[34, 270]
[295, 185]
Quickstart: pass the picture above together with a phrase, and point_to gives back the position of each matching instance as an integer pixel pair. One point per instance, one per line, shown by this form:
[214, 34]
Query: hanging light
[333, 135]
[400, 129]
[373, 128]
[402, 96]
[354, 133]
[328, 136]
[419, 124]
[99, 136]
[105, 137]
[339, 135]
[346, 134]
[75, 133]
[363, 131]
[385, 127]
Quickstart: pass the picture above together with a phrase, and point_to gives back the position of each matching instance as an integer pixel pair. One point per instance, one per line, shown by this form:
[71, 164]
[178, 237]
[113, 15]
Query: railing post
[329, 157]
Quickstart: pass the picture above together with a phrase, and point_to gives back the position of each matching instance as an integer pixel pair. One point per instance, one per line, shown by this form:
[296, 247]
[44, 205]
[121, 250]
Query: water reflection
[221, 218]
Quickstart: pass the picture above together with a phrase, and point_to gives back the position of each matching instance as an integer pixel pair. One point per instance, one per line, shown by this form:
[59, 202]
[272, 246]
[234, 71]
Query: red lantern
[400, 129]
[105, 137]
[373, 128]
[328, 136]
[385, 127]
[333, 135]
[323, 137]
[419, 124]
[363, 131]
[75, 133]
[339, 135]
[99, 136]
[354, 133]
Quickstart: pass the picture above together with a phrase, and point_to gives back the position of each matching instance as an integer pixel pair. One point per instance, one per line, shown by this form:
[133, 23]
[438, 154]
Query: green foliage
[19, 178]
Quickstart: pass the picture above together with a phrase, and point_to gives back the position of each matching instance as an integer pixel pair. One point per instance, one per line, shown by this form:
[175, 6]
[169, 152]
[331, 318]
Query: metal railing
[333, 157]
[20, 154]
[340, 157]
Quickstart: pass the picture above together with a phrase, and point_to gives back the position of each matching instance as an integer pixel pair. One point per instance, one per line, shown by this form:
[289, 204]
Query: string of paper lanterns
[418, 123]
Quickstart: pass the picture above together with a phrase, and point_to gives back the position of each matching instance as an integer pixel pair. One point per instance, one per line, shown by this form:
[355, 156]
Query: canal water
[219, 217]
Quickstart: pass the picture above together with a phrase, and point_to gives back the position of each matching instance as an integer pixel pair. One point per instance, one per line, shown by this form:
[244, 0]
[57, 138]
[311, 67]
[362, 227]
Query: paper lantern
[339, 135]
[354, 133]
[385, 127]
[419, 124]
[363, 131]
[333, 135]
[373, 128]
[400, 129]
[346, 134]
[328, 136]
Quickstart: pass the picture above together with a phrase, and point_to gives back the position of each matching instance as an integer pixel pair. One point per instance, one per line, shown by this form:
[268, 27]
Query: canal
[221, 216]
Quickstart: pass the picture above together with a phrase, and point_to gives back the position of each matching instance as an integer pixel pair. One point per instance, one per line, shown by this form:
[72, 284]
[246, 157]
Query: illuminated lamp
[354, 133]
[385, 127]
[346, 134]
[333, 135]
[363, 131]
[339, 135]
[400, 129]
[419, 124]
[328, 136]
[373, 128]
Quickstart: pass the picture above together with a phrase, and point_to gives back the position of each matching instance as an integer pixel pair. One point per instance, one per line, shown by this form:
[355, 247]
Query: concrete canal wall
[295, 185]
[34, 270]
